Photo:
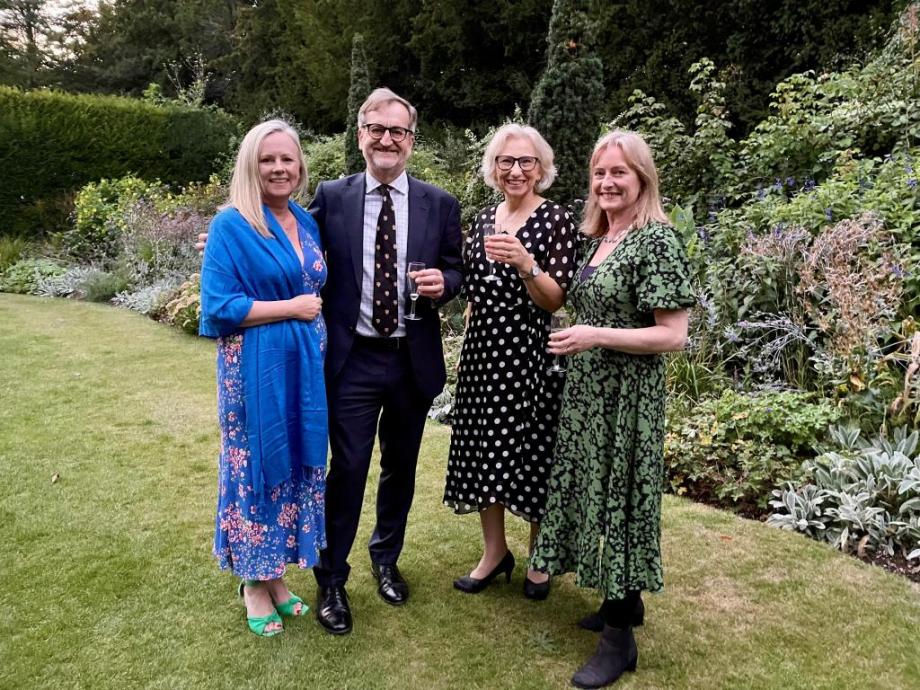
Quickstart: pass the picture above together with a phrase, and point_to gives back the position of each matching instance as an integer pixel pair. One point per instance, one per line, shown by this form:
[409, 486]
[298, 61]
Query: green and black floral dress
[603, 513]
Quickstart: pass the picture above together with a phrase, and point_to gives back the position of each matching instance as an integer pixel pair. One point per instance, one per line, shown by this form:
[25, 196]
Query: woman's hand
[202, 240]
[572, 340]
[305, 307]
[507, 249]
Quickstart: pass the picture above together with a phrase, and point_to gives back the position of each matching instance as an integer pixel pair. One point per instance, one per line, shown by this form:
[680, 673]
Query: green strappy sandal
[289, 607]
[257, 624]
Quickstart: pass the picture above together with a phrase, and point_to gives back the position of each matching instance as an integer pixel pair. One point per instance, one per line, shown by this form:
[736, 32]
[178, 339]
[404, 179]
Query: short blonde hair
[380, 97]
[246, 184]
[638, 157]
[510, 131]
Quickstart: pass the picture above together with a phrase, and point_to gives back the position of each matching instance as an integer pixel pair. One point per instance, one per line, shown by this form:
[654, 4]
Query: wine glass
[411, 270]
[559, 321]
[488, 230]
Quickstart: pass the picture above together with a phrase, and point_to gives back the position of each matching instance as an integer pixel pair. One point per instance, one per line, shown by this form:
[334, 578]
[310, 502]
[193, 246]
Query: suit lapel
[418, 221]
[354, 223]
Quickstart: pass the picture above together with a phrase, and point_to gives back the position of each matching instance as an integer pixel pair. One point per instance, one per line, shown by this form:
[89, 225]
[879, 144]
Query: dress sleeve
[224, 302]
[664, 274]
[560, 259]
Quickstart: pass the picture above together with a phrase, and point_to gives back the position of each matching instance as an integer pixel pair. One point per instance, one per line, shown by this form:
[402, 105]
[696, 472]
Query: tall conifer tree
[566, 104]
[358, 90]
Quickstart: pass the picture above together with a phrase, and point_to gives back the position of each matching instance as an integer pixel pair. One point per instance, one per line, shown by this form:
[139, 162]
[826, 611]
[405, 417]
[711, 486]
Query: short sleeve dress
[507, 405]
[603, 511]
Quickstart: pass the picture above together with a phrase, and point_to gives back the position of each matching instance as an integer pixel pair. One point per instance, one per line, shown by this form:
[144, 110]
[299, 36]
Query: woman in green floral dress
[630, 297]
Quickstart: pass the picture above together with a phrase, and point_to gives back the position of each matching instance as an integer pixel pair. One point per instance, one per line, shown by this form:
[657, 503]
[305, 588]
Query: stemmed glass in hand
[558, 322]
[413, 268]
[488, 230]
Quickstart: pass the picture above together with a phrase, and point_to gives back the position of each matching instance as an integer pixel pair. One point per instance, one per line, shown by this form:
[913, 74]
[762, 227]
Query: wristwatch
[533, 272]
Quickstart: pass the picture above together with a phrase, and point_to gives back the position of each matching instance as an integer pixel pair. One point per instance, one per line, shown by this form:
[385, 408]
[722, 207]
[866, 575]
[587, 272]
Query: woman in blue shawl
[260, 281]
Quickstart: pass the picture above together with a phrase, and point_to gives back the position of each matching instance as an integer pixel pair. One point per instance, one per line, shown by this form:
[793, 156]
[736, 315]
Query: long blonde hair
[638, 157]
[246, 185]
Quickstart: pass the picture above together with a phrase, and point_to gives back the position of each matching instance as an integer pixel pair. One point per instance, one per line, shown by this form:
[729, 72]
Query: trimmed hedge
[53, 143]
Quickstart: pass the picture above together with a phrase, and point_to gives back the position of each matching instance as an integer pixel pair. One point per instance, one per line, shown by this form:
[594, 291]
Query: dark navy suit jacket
[434, 238]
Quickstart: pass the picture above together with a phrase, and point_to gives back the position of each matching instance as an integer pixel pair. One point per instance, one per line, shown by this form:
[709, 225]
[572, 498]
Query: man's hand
[202, 239]
[430, 282]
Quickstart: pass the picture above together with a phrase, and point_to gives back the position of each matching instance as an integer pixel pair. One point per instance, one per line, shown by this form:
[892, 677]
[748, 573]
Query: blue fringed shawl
[282, 365]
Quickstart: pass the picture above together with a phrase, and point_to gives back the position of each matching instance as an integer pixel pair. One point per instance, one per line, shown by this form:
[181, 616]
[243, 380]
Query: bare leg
[535, 575]
[259, 603]
[280, 593]
[492, 520]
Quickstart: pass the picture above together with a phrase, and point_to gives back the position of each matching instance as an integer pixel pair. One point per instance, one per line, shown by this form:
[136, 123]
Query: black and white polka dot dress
[507, 404]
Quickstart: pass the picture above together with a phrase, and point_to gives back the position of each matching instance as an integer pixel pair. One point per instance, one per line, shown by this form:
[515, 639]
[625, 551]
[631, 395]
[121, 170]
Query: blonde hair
[246, 183]
[380, 97]
[500, 138]
[638, 157]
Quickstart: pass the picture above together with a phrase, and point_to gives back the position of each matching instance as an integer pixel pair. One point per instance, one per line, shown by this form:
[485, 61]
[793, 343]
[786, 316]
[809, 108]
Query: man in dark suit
[382, 370]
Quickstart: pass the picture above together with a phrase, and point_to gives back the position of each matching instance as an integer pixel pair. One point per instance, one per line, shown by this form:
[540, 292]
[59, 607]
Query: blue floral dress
[256, 541]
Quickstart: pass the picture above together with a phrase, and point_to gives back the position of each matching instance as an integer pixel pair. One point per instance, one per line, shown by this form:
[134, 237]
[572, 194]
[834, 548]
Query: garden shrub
[99, 216]
[182, 308]
[12, 250]
[100, 286]
[54, 143]
[67, 284]
[25, 276]
[862, 497]
[732, 450]
[148, 299]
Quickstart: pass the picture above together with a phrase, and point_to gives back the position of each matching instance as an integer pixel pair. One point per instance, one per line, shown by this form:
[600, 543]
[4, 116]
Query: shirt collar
[400, 184]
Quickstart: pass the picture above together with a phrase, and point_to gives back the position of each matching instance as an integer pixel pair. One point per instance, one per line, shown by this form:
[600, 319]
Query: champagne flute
[558, 322]
[411, 270]
[488, 230]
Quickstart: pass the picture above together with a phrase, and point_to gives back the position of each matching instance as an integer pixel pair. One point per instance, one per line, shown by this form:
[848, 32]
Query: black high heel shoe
[472, 585]
[538, 591]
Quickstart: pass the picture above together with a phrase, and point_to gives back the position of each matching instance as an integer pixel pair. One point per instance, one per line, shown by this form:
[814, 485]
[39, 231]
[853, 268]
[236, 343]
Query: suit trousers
[374, 393]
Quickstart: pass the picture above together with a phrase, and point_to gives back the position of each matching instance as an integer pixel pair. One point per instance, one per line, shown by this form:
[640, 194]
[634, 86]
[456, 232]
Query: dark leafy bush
[54, 143]
[102, 287]
[12, 250]
[732, 450]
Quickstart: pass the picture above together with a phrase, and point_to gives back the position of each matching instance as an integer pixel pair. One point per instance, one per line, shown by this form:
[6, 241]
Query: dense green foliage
[733, 449]
[51, 144]
[567, 101]
[467, 62]
[358, 90]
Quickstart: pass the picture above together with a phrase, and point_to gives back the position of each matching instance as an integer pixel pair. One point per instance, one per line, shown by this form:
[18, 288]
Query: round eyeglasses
[525, 163]
[397, 134]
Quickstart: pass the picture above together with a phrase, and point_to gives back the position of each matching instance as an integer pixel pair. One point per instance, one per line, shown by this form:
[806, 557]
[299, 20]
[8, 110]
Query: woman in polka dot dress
[507, 403]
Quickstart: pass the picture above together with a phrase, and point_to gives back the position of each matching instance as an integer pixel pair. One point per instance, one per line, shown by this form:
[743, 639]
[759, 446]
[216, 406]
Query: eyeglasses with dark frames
[397, 134]
[525, 163]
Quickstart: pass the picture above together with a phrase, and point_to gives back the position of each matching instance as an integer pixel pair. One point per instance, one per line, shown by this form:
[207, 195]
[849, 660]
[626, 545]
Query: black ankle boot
[595, 621]
[616, 653]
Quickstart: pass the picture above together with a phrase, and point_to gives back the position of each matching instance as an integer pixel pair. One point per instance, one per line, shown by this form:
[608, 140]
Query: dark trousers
[374, 393]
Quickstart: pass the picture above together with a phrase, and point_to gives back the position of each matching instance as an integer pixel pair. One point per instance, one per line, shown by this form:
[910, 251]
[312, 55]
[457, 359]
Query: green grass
[108, 581]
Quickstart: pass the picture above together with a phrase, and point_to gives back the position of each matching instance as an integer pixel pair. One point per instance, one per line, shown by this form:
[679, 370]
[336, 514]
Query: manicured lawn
[108, 581]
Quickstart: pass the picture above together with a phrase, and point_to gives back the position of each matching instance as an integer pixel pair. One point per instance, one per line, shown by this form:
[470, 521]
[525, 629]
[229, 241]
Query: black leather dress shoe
[332, 610]
[391, 586]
